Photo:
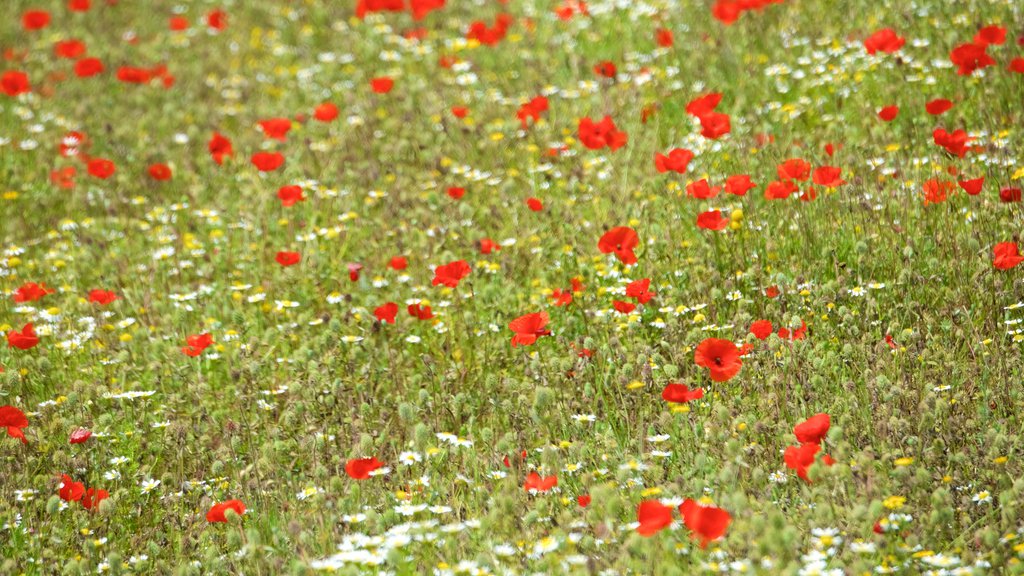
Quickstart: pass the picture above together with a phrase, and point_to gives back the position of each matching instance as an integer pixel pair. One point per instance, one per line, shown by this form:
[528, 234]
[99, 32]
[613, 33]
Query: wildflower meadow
[496, 287]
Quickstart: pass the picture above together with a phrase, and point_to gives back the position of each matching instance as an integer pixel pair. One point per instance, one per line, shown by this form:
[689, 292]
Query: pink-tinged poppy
[712, 220]
[528, 328]
[706, 523]
[534, 482]
[31, 292]
[386, 312]
[102, 297]
[653, 517]
[24, 339]
[761, 329]
[1005, 255]
[889, 113]
[680, 393]
[93, 497]
[361, 468]
[79, 436]
[14, 82]
[69, 490]
[620, 241]
[13, 421]
[286, 259]
[938, 106]
[267, 161]
[218, 512]
[801, 458]
[885, 40]
[382, 85]
[720, 357]
[220, 148]
[813, 430]
[451, 274]
[972, 187]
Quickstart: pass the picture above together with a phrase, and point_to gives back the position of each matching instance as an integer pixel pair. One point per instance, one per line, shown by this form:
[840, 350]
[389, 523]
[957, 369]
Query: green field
[533, 287]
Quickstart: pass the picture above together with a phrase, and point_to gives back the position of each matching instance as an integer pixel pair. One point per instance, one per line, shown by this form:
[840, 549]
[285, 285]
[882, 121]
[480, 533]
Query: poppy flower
[22, 340]
[381, 85]
[489, 35]
[707, 523]
[528, 328]
[884, 40]
[456, 192]
[102, 297]
[217, 20]
[79, 436]
[451, 274]
[30, 292]
[992, 34]
[35, 20]
[93, 497]
[606, 69]
[583, 500]
[64, 178]
[1006, 256]
[772, 291]
[70, 49]
[386, 313]
[535, 482]
[761, 329]
[79, 5]
[714, 125]
[680, 393]
[703, 105]
[970, 57]
[534, 204]
[360, 468]
[220, 147]
[640, 289]
[653, 516]
[623, 307]
[288, 258]
[889, 113]
[801, 458]
[938, 106]
[177, 23]
[936, 191]
[398, 263]
[676, 161]
[720, 357]
[663, 38]
[13, 420]
[597, 135]
[267, 161]
[972, 187]
[738, 184]
[797, 334]
[955, 143]
[325, 112]
[794, 169]
[290, 195]
[1016, 65]
[1008, 195]
[218, 512]
[460, 111]
[561, 297]
[620, 241]
[828, 176]
[101, 168]
[780, 189]
[354, 268]
[712, 220]
[813, 430]
[159, 172]
[195, 344]
[276, 128]
[419, 311]
[69, 490]
[14, 82]
[701, 190]
[532, 110]
[88, 67]
[488, 246]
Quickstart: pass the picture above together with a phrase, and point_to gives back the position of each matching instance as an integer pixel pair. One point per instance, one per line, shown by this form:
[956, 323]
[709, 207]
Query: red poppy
[217, 20]
[606, 69]
[772, 291]
[623, 307]
[460, 111]
[353, 271]
[488, 246]
[597, 135]
[738, 184]
[1006, 256]
[79, 436]
[620, 241]
[813, 430]
[286, 259]
[884, 40]
[703, 105]
[69, 490]
[1016, 65]
[534, 204]
[195, 344]
[938, 106]
[93, 497]
[680, 393]
[456, 192]
[64, 178]
[801, 458]
[955, 143]
[177, 23]
[220, 147]
[386, 313]
[712, 220]
[561, 297]
[653, 516]
[714, 125]
[532, 110]
[22, 340]
[972, 187]
[13, 420]
[30, 292]
[761, 329]
[1007, 195]
[14, 82]
[267, 161]
[489, 36]
[398, 263]
[101, 168]
[218, 512]
[936, 191]
[970, 57]
[88, 67]
[360, 468]
[720, 357]
[70, 49]
[583, 500]
[276, 128]
[828, 176]
[325, 112]
[102, 297]
[707, 523]
[528, 328]
[639, 289]
[794, 169]
[677, 161]
[889, 113]
[780, 189]
[992, 34]
[451, 274]
[35, 19]
[797, 334]
[381, 85]
[701, 190]
[419, 312]
[79, 5]
[159, 172]
[663, 38]
[536, 483]
[290, 195]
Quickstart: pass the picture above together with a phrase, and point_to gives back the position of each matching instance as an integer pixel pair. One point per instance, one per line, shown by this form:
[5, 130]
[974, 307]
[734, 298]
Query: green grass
[287, 395]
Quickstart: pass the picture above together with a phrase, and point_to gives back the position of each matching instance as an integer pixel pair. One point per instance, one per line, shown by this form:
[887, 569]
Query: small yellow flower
[901, 462]
[894, 502]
